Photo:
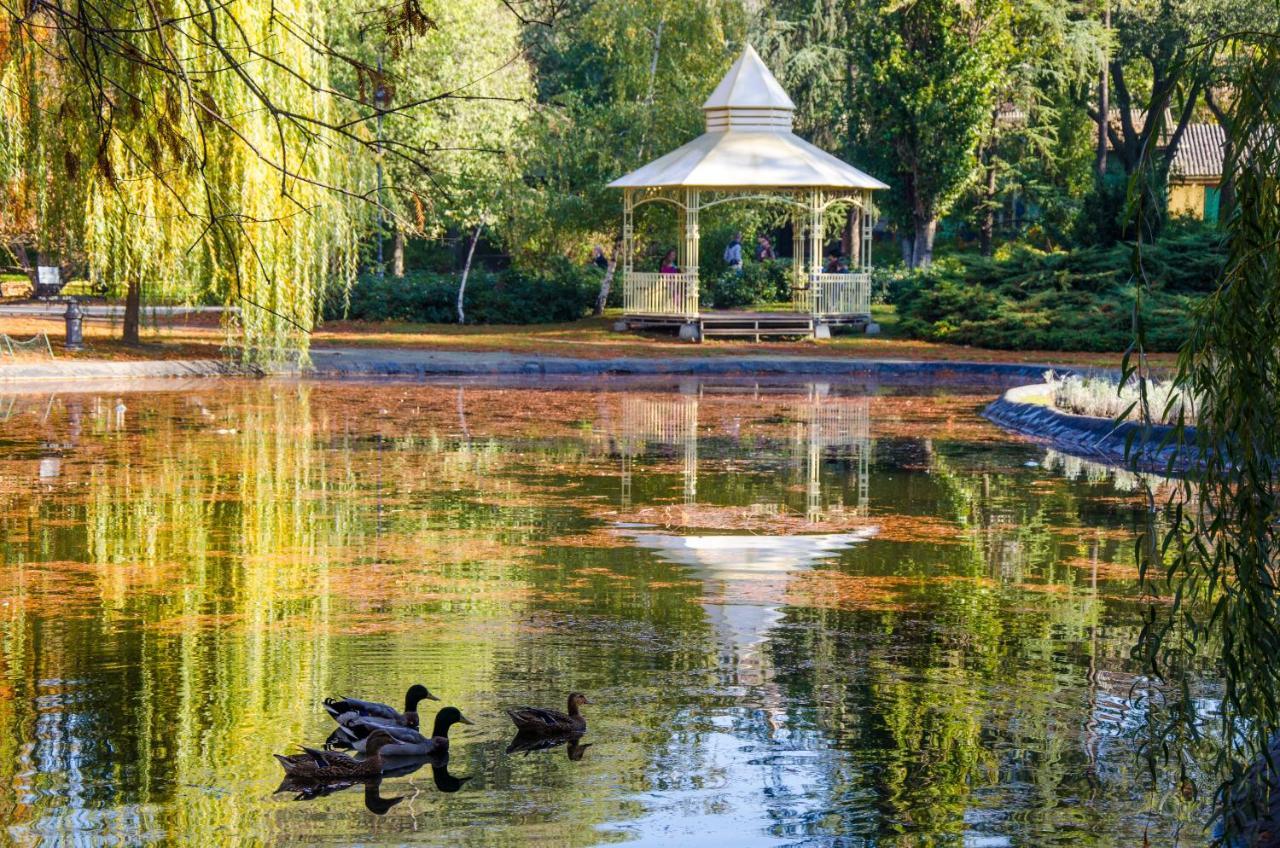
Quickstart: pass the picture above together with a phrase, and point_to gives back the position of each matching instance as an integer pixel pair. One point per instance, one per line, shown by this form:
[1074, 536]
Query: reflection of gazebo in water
[749, 153]
[746, 574]
[825, 426]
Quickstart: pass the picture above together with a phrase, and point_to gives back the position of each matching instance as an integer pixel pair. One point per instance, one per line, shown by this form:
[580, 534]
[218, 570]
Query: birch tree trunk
[466, 271]
[606, 284]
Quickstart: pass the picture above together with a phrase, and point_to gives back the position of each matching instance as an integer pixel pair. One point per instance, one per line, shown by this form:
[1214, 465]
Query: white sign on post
[49, 277]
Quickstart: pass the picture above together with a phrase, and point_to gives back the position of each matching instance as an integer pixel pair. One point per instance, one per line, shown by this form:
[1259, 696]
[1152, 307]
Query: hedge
[566, 293]
[1074, 300]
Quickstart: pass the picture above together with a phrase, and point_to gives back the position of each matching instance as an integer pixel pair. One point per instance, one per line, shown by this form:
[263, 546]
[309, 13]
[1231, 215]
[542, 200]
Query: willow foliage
[197, 150]
[1219, 551]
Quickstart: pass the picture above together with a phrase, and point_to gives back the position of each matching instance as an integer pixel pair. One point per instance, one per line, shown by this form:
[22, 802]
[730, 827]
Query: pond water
[805, 614]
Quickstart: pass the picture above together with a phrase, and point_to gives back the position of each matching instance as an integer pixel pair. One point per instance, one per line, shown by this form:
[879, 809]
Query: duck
[539, 722]
[354, 731]
[323, 766]
[371, 709]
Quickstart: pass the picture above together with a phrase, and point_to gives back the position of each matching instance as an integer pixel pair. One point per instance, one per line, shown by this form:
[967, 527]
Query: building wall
[1186, 199]
[1200, 200]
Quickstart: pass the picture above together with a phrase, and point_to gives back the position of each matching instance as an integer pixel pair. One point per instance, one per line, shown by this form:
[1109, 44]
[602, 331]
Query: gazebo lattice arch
[749, 153]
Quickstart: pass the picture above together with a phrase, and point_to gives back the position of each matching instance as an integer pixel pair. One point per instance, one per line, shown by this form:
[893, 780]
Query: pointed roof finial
[749, 84]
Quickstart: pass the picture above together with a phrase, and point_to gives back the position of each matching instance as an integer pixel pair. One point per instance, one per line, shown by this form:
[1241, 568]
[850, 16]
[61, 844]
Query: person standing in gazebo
[764, 249]
[733, 253]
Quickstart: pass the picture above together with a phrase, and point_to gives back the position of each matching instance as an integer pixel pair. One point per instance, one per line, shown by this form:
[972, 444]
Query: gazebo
[749, 153]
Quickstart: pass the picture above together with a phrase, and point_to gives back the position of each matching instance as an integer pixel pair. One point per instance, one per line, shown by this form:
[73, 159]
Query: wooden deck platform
[746, 323]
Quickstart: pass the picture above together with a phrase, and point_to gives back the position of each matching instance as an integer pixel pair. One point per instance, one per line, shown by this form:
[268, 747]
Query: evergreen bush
[1076, 300]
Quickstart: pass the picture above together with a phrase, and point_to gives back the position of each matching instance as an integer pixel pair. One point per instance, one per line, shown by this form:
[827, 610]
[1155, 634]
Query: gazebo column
[814, 245]
[799, 273]
[867, 223]
[685, 284]
[629, 300]
[689, 263]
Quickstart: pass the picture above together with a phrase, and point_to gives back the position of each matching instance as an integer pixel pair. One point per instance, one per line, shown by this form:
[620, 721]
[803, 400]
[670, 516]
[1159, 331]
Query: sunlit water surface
[806, 614]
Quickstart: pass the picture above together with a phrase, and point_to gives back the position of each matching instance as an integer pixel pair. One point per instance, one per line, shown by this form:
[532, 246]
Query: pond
[804, 614]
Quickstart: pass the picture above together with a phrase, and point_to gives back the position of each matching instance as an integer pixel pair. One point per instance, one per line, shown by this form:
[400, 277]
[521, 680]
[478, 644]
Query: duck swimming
[316, 765]
[371, 709]
[354, 731]
[539, 722]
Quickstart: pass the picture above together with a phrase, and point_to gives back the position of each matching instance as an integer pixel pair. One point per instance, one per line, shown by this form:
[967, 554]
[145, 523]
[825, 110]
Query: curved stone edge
[1099, 439]
[142, 369]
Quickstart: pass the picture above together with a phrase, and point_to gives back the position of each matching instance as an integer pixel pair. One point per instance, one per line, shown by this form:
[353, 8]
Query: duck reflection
[373, 800]
[309, 790]
[526, 743]
[446, 782]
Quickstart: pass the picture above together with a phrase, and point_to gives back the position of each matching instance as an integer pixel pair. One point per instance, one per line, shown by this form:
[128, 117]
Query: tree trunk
[847, 231]
[606, 284]
[908, 245]
[132, 313]
[19, 251]
[466, 271]
[397, 254]
[922, 252]
[1104, 103]
[987, 229]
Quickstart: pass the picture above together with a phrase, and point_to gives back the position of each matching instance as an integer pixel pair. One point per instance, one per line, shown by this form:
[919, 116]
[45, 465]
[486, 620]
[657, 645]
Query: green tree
[1030, 131]
[924, 86]
[473, 97]
[618, 83]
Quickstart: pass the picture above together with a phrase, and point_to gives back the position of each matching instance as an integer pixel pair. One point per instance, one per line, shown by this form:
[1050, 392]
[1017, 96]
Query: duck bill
[465, 720]
[431, 697]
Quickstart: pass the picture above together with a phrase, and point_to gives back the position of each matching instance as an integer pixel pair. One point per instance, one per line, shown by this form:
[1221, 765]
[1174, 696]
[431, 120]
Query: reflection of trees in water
[175, 596]
[206, 584]
[1000, 678]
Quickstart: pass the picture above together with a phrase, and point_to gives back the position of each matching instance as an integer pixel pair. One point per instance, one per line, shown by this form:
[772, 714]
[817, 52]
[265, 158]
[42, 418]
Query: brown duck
[539, 722]
[317, 765]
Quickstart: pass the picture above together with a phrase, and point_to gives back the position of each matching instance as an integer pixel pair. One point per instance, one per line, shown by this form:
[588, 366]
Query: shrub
[1077, 300]
[1103, 397]
[756, 284]
[564, 293]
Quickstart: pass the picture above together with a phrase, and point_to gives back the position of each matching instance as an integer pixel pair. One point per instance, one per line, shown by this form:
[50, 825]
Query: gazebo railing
[835, 294]
[649, 293]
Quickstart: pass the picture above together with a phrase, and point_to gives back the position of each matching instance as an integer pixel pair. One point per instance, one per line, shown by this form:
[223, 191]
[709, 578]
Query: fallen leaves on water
[1104, 569]
[826, 589]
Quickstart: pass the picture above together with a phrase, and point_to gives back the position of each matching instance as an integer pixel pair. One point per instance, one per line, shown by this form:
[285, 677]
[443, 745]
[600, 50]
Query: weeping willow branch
[1212, 548]
[201, 146]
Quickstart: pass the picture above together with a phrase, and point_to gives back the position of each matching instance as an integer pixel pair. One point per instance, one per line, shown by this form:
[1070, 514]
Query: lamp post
[74, 319]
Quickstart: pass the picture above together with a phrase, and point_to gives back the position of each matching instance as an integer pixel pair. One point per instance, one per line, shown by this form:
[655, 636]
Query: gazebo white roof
[748, 143]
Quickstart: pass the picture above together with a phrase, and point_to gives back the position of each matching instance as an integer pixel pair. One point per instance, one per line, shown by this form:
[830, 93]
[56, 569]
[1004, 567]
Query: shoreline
[361, 363]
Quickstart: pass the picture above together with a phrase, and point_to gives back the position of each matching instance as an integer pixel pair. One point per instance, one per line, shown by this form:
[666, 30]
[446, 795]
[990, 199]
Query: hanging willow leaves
[199, 150]
[1214, 545]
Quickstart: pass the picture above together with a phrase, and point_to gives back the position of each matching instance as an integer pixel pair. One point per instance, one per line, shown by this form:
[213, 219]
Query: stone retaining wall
[71, 369]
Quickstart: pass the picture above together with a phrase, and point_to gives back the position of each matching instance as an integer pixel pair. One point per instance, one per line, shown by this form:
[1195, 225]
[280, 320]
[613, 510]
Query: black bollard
[75, 326]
